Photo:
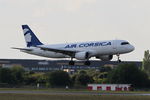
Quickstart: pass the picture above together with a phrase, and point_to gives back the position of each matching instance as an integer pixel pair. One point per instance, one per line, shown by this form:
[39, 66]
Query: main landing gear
[85, 63]
[71, 62]
[118, 56]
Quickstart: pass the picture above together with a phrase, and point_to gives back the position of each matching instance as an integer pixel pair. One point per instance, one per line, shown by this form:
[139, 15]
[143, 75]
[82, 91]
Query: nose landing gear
[118, 56]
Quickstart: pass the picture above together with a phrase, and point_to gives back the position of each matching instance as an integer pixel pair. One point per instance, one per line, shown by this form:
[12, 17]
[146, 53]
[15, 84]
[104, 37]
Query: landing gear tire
[88, 63]
[119, 60]
[71, 62]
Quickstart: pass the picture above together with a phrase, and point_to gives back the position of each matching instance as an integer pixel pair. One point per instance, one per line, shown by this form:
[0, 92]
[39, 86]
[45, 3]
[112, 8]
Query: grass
[68, 97]
[68, 90]
[38, 96]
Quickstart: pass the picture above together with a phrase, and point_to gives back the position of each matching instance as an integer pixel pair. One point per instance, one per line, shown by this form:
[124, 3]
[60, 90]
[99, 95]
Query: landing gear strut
[118, 56]
[71, 62]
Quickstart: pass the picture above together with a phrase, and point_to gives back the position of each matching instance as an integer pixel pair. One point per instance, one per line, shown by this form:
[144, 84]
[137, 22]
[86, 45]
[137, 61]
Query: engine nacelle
[105, 57]
[82, 55]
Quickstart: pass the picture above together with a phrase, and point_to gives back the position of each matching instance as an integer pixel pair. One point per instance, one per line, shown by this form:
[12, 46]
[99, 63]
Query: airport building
[109, 87]
[51, 65]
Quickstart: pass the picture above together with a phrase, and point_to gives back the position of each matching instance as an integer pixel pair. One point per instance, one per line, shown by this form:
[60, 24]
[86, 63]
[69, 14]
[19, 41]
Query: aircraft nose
[132, 48]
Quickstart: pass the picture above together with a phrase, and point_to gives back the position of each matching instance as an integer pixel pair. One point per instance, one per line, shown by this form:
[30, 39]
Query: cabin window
[124, 43]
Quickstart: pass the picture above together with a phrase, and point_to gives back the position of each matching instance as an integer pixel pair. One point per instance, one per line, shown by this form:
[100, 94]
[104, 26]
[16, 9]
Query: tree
[32, 78]
[82, 72]
[146, 62]
[6, 76]
[12, 76]
[128, 74]
[82, 79]
[59, 79]
[18, 74]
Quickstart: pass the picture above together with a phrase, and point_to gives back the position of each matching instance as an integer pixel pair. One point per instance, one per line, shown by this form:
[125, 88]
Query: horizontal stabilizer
[26, 49]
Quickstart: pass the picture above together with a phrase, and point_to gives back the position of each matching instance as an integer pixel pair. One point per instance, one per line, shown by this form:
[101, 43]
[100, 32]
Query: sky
[65, 21]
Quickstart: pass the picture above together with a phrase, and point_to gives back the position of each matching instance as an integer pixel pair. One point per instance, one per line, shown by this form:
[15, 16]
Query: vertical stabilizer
[30, 38]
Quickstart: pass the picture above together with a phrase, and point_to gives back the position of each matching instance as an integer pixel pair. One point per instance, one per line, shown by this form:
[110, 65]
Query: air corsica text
[92, 44]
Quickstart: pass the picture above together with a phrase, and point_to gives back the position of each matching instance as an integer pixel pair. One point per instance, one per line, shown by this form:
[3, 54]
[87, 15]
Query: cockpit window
[124, 43]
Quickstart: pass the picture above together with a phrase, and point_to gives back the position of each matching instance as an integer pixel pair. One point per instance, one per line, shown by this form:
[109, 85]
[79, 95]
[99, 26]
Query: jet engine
[82, 55]
[105, 57]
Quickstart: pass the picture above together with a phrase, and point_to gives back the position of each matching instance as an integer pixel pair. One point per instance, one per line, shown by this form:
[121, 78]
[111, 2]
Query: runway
[71, 93]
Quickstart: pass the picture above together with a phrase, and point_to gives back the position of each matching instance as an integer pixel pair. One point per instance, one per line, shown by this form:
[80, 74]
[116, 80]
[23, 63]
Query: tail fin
[30, 38]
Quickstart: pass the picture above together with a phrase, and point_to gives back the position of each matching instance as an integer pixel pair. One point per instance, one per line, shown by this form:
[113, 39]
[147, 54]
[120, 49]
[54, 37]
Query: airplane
[103, 50]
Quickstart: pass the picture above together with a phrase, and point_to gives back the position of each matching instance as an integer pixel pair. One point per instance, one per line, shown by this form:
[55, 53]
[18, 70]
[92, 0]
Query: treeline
[139, 77]
[12, 76]
[122, 74]
[18, 77]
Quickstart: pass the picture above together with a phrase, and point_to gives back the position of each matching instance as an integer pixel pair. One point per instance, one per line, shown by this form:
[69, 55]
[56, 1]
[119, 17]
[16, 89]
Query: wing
[66, 52]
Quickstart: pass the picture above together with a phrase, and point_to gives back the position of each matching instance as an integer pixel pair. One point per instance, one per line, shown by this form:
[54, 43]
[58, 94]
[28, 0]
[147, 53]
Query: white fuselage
[96, 48]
